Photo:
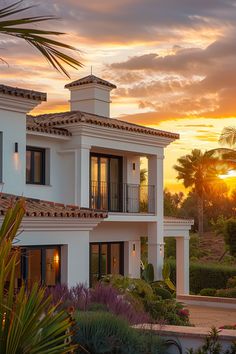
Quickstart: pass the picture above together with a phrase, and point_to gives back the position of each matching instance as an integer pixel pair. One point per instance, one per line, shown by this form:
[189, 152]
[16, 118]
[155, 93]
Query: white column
[156, 248]
[155, 178]
[132, 258]
[78, 259]
[155, 229]
[182, 265]
[83, 175]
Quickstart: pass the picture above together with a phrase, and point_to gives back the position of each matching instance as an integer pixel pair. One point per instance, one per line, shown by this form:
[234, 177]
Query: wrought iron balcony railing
[122, 197]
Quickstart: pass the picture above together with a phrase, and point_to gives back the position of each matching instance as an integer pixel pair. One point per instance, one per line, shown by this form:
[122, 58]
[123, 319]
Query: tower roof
[90, 79]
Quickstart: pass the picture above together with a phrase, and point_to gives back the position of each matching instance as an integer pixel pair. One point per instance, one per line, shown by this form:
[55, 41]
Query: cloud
[123, 21]
[196, 125]
[189, 82]
[208, 136]
[184, 60]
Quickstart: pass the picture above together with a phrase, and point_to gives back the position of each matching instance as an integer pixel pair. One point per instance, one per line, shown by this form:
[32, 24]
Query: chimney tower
[91, 95]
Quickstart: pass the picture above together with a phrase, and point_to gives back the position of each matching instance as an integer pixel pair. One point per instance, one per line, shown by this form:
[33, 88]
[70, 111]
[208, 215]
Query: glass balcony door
[106, 258]
[106, 182]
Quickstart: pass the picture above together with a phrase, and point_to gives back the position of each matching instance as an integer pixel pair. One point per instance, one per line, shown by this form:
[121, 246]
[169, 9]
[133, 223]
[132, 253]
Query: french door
[41, 265]
[106, 182]
[106, 258]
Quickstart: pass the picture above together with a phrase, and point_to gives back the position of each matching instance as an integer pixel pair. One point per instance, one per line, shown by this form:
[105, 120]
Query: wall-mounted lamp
[162, 249]
[16, 150]
[134, 166]
[133, 249]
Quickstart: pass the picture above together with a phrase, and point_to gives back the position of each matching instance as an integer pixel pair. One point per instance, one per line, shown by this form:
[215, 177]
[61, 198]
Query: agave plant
[49, 48]
[148, 275]
[29, 323]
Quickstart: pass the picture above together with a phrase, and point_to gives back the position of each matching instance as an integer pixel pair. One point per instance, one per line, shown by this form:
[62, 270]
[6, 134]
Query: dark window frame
[121, 256]
[120, 177]
[24, 263]
[42, 181]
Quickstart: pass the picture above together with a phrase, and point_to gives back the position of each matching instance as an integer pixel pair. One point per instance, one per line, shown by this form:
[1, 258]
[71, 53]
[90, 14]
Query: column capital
[84, 146]
[157, 157]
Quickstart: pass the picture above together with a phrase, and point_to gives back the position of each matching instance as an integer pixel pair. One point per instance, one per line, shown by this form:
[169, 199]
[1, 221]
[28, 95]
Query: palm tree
[227, 155]
[228, 136]
[49, 48]
[199, 171]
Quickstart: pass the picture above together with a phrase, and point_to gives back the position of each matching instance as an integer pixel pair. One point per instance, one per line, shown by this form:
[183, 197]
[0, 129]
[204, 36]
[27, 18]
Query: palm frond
[48, 47]
[29, 323]
[228, 136]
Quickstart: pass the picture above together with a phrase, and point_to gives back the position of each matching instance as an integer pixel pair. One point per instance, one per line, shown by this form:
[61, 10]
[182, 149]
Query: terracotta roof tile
[42, 208]
[33, 125]
[90, 79]
[19, 92]
[72, 117]
[178, 220]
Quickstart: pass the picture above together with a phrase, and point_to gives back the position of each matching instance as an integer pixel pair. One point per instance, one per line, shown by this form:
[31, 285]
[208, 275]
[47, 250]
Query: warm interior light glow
[56, 258]
[230, 174]
[16, 160]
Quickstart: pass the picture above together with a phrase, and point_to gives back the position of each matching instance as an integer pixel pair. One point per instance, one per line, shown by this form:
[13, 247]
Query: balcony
[122, 197]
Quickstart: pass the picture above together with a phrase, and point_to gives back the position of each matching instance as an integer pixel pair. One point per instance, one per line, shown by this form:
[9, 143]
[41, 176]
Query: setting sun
[230, 174]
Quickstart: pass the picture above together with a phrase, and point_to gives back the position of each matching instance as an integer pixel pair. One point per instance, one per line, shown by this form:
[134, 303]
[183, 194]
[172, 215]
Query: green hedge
[206, 276]
[230, 236]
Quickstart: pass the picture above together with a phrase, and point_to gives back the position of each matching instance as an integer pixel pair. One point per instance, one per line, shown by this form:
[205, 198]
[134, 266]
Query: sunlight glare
[230, 174]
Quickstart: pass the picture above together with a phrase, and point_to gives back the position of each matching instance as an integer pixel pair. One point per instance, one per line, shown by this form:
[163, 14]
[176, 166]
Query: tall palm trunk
[200, 215]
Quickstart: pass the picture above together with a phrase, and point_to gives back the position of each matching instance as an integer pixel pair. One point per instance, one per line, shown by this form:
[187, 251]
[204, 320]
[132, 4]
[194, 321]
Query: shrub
[160, 310]
[102, 297]
[163, 293]
[168, 311]
[119, 304]
[206, 275]
[208, 292]
[230, 236]
[105, 333]
[138, 288]
[148, 273]
[77, 297]
[95, 307]
[231, 282]
[226, 293]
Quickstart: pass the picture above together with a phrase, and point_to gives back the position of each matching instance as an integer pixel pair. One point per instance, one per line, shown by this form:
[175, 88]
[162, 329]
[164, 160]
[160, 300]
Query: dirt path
[210, 316]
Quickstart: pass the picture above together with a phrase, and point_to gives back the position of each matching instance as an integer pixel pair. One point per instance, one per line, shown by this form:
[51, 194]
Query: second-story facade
[85, 158]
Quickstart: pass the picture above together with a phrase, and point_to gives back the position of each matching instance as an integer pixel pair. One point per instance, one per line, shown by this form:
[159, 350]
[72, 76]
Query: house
[79, 172]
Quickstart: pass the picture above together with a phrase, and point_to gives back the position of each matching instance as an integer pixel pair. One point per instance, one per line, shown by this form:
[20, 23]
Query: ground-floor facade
[83, 250]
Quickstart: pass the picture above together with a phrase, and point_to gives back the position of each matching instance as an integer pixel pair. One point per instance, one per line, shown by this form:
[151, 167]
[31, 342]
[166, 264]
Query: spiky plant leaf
[49, 48]
[29, 323]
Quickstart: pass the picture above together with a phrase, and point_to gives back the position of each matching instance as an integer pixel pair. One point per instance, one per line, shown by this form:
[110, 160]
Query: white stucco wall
[92, 98]
[13, 126]
[60, 174]
[74, 252]
[126, 232]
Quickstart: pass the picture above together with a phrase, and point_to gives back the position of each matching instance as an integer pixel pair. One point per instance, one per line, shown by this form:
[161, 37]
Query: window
[1, 146]
[40, 265]
[106, 258]
[35, 165]
[106, 182]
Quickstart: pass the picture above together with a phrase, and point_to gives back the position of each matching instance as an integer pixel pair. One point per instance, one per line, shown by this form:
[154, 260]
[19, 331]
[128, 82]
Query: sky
[173, 61]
